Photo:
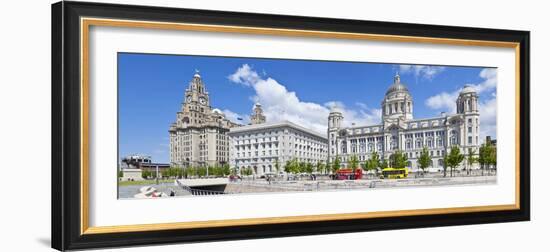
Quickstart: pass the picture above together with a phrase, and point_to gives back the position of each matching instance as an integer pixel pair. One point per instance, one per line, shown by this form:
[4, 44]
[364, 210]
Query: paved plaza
[200, 187]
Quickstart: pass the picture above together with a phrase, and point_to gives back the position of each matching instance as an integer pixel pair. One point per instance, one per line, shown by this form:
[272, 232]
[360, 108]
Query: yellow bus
[394, 173]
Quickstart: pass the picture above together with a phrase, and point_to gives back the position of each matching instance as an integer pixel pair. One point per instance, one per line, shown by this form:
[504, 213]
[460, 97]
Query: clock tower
[198, 136]
[196, 92]
[196, 105]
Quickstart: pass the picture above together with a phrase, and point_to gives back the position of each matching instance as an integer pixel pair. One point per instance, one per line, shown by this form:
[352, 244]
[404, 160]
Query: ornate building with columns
[398, 130]
[198, 137]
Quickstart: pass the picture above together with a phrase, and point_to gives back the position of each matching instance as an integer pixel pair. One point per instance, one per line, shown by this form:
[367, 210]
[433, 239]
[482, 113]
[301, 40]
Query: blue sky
[151, 90]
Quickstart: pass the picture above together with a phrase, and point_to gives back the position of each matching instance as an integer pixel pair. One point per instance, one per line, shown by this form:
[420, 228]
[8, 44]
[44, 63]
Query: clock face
[202, 100]
[188, 98]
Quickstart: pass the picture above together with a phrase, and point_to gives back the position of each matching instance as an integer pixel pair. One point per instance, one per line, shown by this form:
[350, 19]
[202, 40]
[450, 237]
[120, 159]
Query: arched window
[454, 138]
[440, 162]
[429, 142]
[408, 145]
[393, 143]
[418, 143]
[344, 149]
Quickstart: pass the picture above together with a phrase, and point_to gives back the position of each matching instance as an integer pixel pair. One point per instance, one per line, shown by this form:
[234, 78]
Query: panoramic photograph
[192, 126]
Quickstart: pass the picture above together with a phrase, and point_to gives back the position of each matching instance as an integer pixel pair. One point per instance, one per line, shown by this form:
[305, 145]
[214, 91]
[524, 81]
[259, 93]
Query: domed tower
[335, 119]
[467, 101]
[257, 116]
[397, 103]
[196, 91]
[466, 104]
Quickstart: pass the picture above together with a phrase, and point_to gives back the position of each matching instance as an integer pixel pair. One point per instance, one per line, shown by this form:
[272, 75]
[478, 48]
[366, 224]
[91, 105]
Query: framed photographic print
[178, 125]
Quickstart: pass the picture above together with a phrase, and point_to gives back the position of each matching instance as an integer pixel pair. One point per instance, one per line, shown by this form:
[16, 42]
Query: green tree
[327, 167]
[233, 171]
[493, 157]
[424, 159]
[226, 170]
[288, 166]
[453, 159]
[398, 159]
[166, 172]
[120, 174]
[214, 171]
[152, 174]
[292, 166]
[191, 171]
[302, 167]
[145, 174]
[336, 164]
[320, 167]
[487, 156]
[353, 162]
[246, 171]
[309, 168]
[471, 159]
[384, 164]
[201, 171]
[374, 162]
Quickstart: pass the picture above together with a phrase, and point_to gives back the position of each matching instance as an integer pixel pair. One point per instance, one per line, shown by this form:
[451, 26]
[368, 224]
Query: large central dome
[397, 86]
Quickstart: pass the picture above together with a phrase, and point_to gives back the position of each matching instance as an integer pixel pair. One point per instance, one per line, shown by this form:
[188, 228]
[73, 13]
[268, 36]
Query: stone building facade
[198, 137]
[398, 130]
[261, 147]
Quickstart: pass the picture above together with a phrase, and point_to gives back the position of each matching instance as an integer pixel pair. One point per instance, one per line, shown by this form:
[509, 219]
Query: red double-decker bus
[349, 174]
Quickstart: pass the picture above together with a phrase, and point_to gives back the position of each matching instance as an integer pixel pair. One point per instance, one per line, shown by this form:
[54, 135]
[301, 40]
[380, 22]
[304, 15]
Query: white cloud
[280, 104]
[232, 116]
[490, 83]
[443, 101]
[446, 102]
[244, 75]
[488, 118]
[421, 71]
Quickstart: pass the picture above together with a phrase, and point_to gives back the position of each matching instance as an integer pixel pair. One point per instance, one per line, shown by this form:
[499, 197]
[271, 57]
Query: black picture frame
[66, 123]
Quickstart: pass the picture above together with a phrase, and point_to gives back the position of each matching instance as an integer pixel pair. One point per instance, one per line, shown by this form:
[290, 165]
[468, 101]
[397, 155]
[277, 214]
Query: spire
[196, 83]
[396, 79]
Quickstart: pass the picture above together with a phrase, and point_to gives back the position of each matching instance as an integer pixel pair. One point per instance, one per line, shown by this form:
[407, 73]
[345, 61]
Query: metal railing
[198, 192]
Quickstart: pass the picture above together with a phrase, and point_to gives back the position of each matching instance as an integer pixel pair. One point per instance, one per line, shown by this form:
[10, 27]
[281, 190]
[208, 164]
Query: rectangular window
[469, 140]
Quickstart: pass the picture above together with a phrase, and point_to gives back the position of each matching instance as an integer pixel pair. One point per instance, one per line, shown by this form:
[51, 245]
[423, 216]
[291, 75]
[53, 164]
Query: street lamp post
[157, 177]
[445, 162]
